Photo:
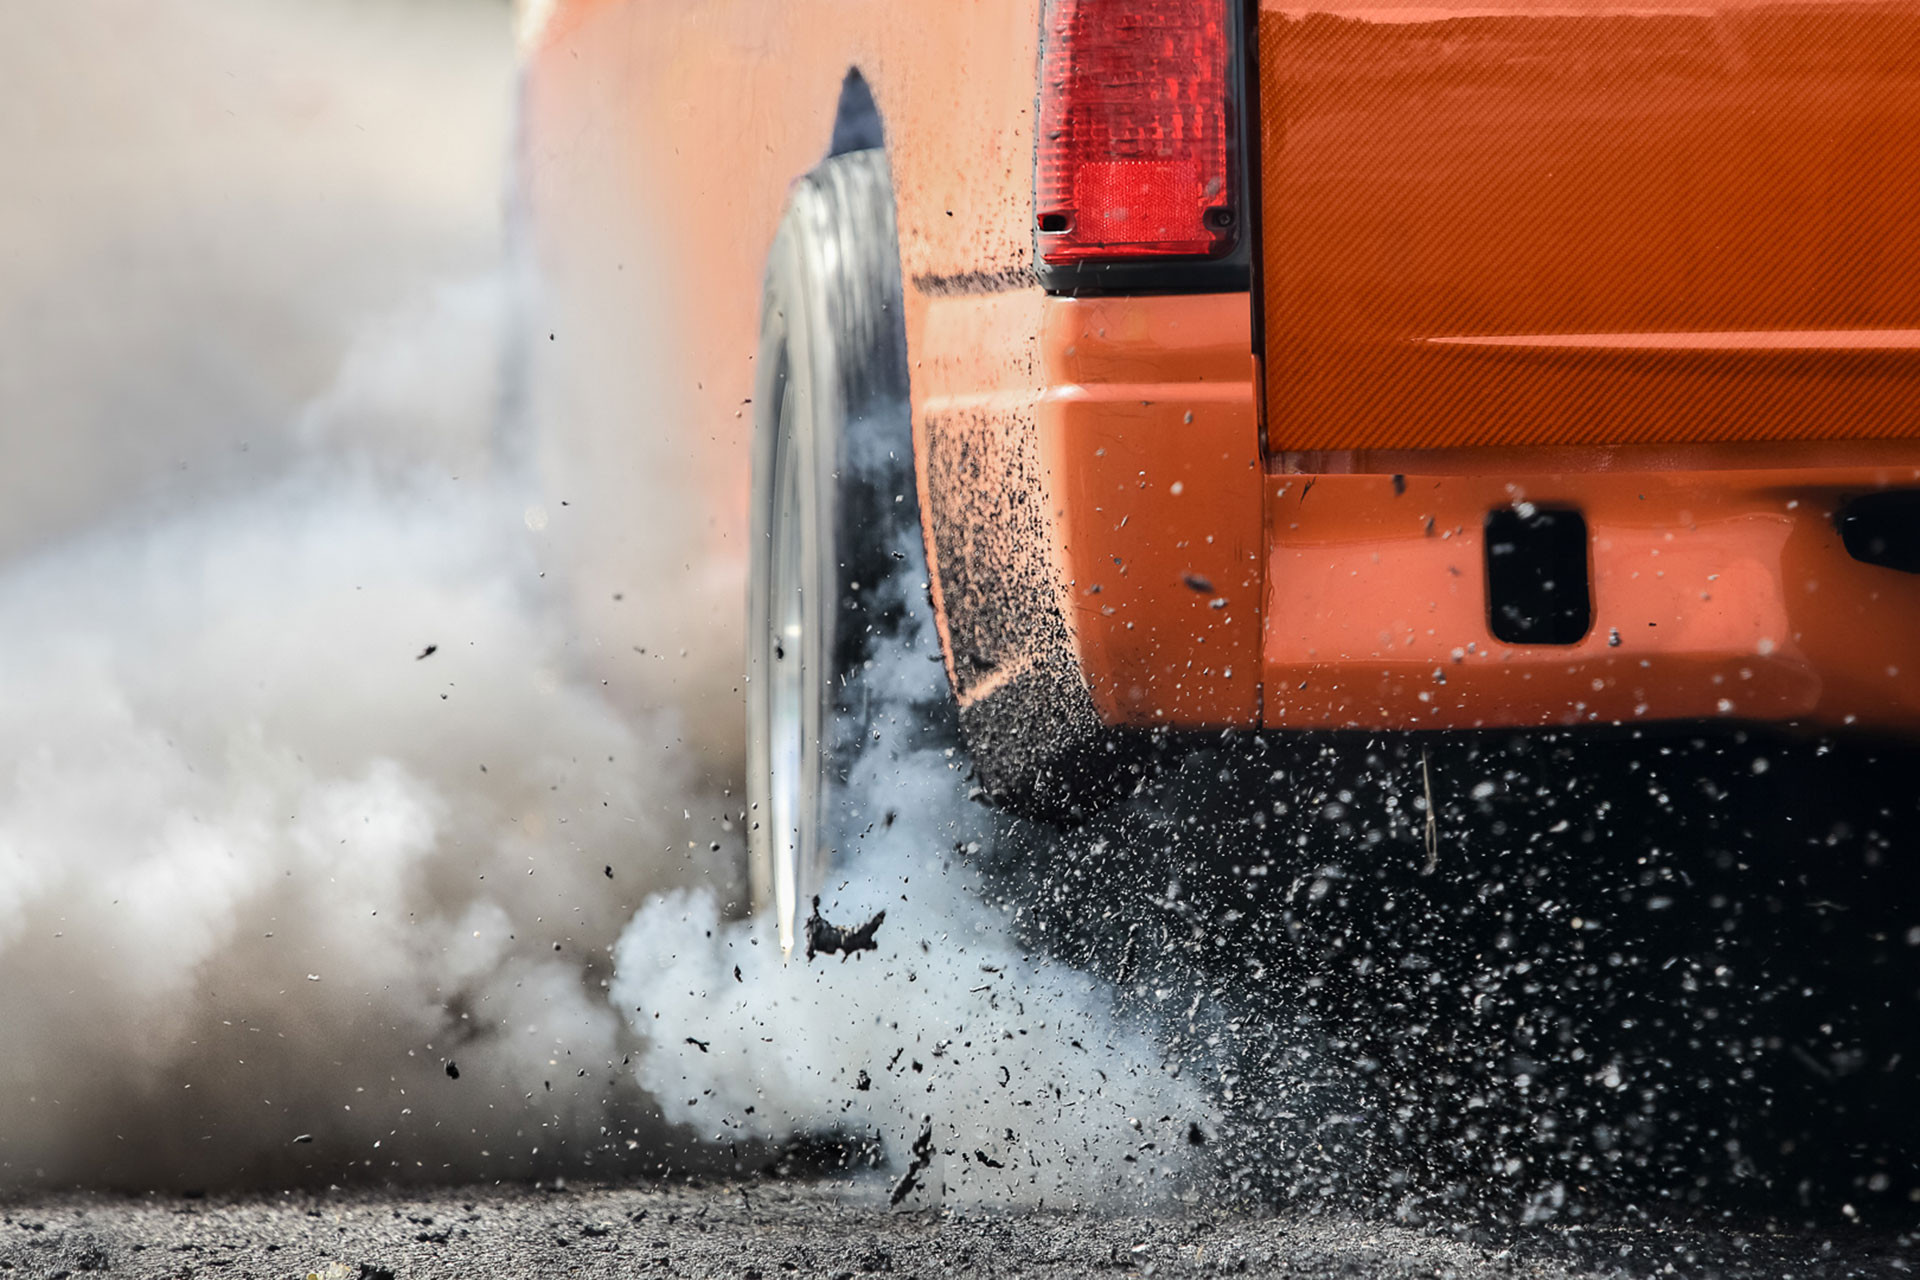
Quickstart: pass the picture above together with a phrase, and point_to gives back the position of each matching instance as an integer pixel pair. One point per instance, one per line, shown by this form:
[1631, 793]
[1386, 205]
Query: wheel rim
[787, 680]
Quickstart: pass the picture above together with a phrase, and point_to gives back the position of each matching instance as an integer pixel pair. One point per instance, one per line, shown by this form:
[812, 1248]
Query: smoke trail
[314, 833]
[321, 812]
[314, 843]
[1034, 1090]
[311, 844]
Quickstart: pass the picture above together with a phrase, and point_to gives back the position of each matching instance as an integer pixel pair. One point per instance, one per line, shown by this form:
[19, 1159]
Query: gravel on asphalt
[771, 1230]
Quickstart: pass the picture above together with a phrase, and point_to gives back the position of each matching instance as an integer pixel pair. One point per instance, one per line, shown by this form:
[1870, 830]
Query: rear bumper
[1122, 496]
[1721, 593]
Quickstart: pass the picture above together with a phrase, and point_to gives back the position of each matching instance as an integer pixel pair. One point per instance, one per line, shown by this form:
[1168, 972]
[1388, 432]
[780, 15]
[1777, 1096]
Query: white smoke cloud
[1034, 1090]
[300, 799]
[323, 812]
[254, 885]
[303, 798]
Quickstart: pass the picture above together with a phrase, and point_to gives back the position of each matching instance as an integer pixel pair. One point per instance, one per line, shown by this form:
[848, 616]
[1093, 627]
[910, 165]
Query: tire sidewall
[832, 352]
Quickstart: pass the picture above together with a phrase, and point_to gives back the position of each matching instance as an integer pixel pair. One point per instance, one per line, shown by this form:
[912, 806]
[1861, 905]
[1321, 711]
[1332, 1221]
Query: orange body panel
[1716, 594]
[1590, 224]
[1152, 452]
[1147, 455]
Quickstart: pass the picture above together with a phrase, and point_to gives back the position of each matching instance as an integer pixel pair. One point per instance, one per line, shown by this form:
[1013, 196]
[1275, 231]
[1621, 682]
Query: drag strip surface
[772, 1229]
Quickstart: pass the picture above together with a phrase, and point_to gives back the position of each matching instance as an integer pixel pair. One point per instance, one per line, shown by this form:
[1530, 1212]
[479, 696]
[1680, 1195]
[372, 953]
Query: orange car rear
[1339, 364]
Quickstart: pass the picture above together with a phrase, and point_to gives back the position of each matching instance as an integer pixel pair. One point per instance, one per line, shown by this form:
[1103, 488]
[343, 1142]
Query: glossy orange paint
[1146, 439]
[1590, 224]
[1716, 594]
[1619, 259]
[1152, 450]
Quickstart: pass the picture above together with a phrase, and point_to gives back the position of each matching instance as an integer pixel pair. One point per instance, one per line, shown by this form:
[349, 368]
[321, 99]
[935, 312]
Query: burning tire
[838, 566]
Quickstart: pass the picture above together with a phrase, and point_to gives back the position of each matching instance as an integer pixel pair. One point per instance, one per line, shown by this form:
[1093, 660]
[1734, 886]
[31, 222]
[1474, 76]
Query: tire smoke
[312, 842]
[322, 809]
[1034, 1088]
[315, 840]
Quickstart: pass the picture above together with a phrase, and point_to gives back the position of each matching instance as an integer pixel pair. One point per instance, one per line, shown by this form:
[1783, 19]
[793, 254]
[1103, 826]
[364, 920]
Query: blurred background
[205, 201]
[306, 806]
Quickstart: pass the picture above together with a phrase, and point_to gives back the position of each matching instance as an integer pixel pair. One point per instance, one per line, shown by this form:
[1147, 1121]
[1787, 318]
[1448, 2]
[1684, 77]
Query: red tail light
[1135, 157]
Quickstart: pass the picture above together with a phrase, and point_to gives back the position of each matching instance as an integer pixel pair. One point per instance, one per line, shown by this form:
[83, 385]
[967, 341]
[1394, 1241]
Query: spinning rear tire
[838, 563]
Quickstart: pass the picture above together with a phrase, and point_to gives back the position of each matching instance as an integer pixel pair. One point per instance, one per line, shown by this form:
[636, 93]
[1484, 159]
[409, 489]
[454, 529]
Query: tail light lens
[1135, 154]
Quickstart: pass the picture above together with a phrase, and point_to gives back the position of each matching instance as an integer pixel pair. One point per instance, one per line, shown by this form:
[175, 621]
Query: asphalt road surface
[774, 1230]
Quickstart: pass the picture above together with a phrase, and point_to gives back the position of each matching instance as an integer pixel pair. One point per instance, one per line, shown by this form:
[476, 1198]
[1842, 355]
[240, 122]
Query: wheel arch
[1037, 742]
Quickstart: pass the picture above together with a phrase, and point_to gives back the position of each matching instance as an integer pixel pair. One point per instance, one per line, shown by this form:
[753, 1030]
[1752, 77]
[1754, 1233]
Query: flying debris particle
[863, 1081]
[1432, 833]
[736, 974]
[922, 1156]
[427, 652]
[1196, 1136]
[1130, 957]
[701, 1045]
[609, 872]
[453, 1071]
[1197, 583]
[823, 937]
[983, 1158]
[303, 1137]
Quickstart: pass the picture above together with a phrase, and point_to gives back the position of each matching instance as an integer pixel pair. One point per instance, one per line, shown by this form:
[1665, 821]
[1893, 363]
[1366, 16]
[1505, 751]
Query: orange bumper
[1205, 588]
[1715, 593]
